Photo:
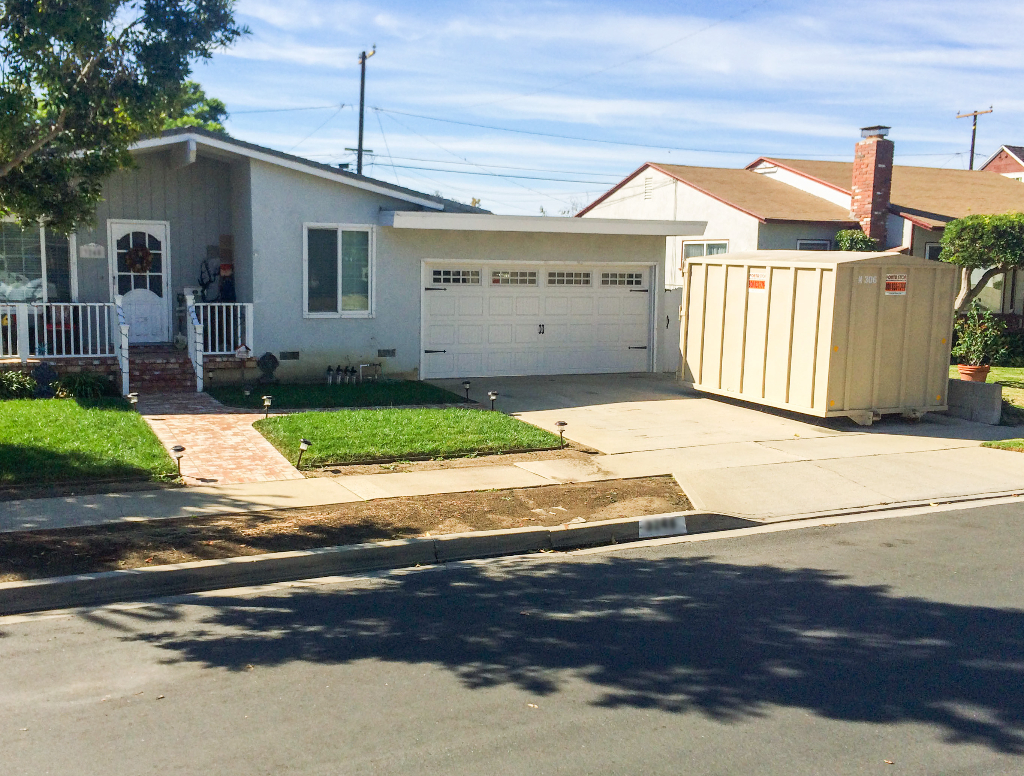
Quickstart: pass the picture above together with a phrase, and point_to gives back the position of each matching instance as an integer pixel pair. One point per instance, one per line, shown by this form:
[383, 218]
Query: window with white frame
[622, 278]
[337, 269]
[568, 278]
[813, 245]
[932, 251]
[455, 277]
[693, 250]
[513, 278]
[35, 265]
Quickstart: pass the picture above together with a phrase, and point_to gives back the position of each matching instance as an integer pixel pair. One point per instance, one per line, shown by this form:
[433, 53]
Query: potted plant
[979, 341]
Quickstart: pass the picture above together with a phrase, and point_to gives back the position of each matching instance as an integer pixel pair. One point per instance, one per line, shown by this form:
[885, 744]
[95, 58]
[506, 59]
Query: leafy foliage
[80, 81]
[994, 243]
[854, 240]
[192, 108]
[16, 385]
[979, 337]
[84, 385]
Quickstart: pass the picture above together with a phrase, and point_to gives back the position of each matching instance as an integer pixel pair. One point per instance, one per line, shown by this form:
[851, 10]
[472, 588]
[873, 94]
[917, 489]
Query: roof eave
[801, 173]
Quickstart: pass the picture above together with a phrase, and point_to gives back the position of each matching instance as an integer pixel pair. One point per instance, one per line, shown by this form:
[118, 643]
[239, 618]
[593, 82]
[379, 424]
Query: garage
[541, 318]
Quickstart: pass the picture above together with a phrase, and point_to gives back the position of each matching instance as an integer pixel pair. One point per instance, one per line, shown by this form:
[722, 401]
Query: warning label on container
[757, 281]
[896, 285]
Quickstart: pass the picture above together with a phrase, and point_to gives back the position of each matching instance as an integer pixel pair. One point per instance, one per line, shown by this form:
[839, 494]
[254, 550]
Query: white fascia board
[478, 222]
[231, 148]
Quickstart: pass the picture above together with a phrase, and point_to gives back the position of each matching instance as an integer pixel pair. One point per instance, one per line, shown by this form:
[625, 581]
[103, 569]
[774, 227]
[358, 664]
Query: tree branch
[969, 293]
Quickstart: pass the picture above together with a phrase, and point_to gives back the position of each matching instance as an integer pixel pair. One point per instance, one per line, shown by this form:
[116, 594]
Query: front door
[139, 269]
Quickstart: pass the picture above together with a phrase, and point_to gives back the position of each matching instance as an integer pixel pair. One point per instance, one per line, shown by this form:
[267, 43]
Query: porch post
[21, 318]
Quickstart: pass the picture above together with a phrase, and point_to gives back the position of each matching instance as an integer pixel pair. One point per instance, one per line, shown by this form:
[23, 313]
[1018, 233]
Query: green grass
[46, 441]
[296, 396]
[1016, 445]
[395, 434]
[1012, 380]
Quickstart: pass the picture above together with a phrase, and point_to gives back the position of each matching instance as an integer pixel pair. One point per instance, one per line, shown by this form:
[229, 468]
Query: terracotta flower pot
[973, 374]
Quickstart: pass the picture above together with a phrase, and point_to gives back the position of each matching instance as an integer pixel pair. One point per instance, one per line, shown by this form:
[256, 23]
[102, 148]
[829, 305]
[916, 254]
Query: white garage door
[541, 319]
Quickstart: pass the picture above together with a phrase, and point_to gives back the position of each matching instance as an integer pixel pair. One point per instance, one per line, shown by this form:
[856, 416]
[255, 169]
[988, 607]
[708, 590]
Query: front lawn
[1016, 445]
[1012, 380]
[351, 436]
[298, 396]
[47, 441]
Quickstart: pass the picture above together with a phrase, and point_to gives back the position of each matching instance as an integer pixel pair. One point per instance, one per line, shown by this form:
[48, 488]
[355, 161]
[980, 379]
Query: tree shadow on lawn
[22, 464]
[680, 635]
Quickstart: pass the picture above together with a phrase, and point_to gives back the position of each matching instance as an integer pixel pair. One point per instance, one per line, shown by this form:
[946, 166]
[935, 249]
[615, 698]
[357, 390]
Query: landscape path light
[133, 399]
[492, 395]
[465, 387]
[266, 405]
[303, 447]
[561, 424]
[178, 451]
[330, 376]
[247, 391]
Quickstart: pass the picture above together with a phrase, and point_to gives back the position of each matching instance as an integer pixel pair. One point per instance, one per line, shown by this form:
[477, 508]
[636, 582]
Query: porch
[95, 336]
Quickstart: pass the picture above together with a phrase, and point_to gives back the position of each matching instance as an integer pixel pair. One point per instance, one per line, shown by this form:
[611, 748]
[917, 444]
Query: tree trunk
[969, 293]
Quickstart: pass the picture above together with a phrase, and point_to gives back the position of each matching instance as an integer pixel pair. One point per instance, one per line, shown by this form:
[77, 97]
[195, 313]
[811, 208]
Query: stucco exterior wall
[784, 237]
[241, 227]
[195, 199]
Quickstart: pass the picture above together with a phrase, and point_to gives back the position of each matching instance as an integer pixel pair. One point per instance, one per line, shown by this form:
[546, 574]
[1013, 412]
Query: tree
[993, 243]
[80, 81]
[855, 240]
[192, 108]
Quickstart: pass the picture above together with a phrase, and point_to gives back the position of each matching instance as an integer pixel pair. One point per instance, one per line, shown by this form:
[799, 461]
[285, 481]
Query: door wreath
[139, 259]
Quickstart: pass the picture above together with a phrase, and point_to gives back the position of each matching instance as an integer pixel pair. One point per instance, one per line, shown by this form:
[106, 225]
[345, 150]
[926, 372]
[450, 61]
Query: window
[454, 276]
[514, 278]
[568, 278]
[932, 251]
[692, 250]
[813, 245]
[622, 278]
[23, 276]
[337, 267]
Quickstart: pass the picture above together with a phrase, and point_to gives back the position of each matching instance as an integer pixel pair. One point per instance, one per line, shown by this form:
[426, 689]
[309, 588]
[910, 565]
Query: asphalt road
[819, 651]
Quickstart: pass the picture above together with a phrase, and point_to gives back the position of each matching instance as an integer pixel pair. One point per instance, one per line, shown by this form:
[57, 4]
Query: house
[786, 204]
[1007, 161]
[320, 267]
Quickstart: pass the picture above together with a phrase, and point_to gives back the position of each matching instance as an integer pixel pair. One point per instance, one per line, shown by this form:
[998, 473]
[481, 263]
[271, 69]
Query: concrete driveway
[735, 458]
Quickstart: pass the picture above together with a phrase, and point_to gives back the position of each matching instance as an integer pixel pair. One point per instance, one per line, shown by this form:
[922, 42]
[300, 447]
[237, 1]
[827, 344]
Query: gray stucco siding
[784, 236]
[195, 200]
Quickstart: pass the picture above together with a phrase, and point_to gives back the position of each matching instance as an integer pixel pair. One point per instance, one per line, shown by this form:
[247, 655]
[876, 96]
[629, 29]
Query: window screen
[322, 270]
[932, 251]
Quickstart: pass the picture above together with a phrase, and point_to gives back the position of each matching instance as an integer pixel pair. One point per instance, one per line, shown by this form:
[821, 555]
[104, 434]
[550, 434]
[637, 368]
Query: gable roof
[1017, 152]
[928, 196]
[231, 145]
[756, 195]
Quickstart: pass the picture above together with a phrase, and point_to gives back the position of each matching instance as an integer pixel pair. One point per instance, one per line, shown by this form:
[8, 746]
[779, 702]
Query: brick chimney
[872, 181]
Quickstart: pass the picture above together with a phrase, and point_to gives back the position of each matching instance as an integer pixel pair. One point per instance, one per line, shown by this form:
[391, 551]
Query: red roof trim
[612, 190]
[801, 173]
[707, 193]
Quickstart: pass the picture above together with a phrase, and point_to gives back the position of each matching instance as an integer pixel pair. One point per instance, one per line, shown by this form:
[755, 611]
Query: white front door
[139, 272]
[506, 319]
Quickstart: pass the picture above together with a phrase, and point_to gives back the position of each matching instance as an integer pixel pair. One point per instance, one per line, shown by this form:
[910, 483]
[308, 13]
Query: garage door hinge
[638, 347]
[435, 351]
[435, 289]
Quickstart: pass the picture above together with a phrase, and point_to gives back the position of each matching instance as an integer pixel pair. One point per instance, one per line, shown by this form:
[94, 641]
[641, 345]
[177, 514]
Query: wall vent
[386, 353]
[288, 355]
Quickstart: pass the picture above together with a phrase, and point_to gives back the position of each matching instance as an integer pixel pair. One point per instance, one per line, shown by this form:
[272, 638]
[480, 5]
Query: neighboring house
[800, 204]
[327, 268]
[1007, 161]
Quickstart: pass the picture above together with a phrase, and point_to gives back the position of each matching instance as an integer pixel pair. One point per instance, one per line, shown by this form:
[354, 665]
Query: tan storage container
[826, 334]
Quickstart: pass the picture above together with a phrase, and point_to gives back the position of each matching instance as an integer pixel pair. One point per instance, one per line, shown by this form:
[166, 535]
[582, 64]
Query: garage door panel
[494, 329]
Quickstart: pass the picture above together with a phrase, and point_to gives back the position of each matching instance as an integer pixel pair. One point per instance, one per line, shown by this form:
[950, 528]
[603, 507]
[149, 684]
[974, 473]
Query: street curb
[157, 581]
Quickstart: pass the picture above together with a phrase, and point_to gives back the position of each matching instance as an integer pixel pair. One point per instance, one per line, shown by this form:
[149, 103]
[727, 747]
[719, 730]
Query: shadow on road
[681, 635]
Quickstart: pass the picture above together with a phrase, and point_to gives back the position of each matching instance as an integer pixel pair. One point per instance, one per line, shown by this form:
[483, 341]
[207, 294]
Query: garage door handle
[638, 347]
[435, 289]
[638, 290]
[435, 351]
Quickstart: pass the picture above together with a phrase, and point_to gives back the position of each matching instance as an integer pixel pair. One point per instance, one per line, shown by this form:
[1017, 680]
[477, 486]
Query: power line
[500, 175]
[307, 137]
[285, 110]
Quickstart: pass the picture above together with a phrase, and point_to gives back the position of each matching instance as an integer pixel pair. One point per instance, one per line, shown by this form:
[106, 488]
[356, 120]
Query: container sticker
[896, 285]
[757, 281]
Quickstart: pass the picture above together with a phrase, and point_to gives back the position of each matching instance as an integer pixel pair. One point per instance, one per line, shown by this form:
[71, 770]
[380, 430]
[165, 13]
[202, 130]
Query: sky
[545, 105]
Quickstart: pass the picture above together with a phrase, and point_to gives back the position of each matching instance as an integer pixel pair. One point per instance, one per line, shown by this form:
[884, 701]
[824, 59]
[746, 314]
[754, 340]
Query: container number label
[868, 279]
[757, 281]
[896, 285]
[662, 525]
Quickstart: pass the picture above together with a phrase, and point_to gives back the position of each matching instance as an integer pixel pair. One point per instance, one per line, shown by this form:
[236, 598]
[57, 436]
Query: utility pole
[974, 129]
[362, 100]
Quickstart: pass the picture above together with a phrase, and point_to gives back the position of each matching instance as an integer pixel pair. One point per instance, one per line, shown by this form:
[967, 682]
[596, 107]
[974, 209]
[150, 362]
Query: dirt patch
[34, 554]
[474, 461]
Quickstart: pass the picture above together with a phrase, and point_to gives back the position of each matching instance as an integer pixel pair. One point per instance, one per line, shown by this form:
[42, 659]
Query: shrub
[980, 337]
[854, 240]
[83, 385]
[16, 385]
[1012, 351]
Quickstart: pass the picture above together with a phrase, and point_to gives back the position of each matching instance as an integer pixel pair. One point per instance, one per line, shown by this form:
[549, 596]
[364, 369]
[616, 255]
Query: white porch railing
[195, 341]
[226, 327]
[71, 330]
[121, 344]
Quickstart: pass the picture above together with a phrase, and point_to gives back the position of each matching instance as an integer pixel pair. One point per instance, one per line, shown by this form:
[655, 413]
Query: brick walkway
[221, 446]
